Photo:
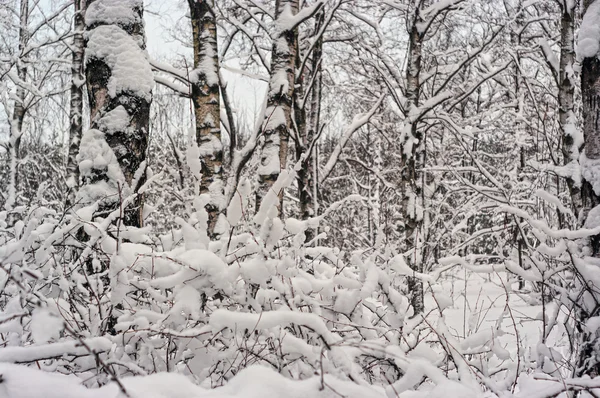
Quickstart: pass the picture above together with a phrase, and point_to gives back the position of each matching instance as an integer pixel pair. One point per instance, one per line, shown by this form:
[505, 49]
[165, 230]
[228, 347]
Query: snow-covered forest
[299, 198]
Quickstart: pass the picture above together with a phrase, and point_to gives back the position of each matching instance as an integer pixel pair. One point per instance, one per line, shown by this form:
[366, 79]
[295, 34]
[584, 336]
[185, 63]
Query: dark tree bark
[590, 89]
[588, 362]
[119, 85]
[18, 116]
[308, 128]
[112, 153]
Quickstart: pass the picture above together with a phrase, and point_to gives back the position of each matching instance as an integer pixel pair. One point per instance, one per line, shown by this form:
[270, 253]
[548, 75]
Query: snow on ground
[479, 318]
[474, 316]
[254, 382]
[485, 303]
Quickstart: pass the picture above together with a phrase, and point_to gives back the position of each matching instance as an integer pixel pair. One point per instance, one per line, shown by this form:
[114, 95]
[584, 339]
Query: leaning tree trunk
[112, 157]
[587, 54]
[277, 122]
[205, 96]
[411, 179]
[76, 105]
[18, 116]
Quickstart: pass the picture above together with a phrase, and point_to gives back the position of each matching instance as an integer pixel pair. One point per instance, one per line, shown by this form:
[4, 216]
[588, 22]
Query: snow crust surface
[130, 70]
[119, 12]
[253, 382]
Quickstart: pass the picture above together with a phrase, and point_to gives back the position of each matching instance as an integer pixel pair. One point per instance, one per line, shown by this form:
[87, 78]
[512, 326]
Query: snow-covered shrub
[83, 293]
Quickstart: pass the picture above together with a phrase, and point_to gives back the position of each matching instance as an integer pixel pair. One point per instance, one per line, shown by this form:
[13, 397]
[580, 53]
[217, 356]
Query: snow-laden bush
[84, 294]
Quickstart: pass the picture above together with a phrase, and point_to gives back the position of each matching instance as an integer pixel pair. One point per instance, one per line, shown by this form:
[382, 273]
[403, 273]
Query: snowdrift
[18, 381]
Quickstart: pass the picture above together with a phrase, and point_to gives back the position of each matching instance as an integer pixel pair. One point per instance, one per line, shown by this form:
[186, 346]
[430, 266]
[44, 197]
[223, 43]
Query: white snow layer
[113, 12]
[116, 120]
[95, 155]
[588, 43]
[130, 70]
[254, 382]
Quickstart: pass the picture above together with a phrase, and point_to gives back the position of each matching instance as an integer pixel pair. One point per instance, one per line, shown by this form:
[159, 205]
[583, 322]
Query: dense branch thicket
[319, 187]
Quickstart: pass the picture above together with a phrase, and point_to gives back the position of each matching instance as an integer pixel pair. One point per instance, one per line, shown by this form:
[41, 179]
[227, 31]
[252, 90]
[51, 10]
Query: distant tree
[18, 116]
[33, 42]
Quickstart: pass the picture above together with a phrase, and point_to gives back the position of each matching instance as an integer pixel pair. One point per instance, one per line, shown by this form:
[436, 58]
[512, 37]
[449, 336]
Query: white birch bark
[76, 102]
[206, 99]
[277, 120]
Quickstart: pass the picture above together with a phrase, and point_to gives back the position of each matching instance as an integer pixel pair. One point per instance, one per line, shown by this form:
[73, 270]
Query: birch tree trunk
[412, 158]
[205, 95]
[112, 153]
[567, 118]
[18, 116]
[112, 157]
[76, 102]
[277, 122]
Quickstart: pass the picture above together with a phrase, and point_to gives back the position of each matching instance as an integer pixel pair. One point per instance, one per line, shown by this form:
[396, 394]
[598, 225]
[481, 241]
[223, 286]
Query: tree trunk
[277, 122]
[112, 157]
[375, 186]
[590, 89]
[588, 362]
[412, 157]
[306, 175]
[18, 116]
[76, 105]
[112, 153]
[516, 13]
[205, 95]
[566, 91]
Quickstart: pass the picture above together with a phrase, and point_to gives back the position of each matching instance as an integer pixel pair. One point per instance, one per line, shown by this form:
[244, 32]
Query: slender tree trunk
[306, 175]
[412, 158]
[375, 185]
[119, 85]
[520, 129]
[567, 118]
[205, 95]
[302, 127]
[18, 116]
[590, 88]
[588, 363]
[76, 105]
[277, 123]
